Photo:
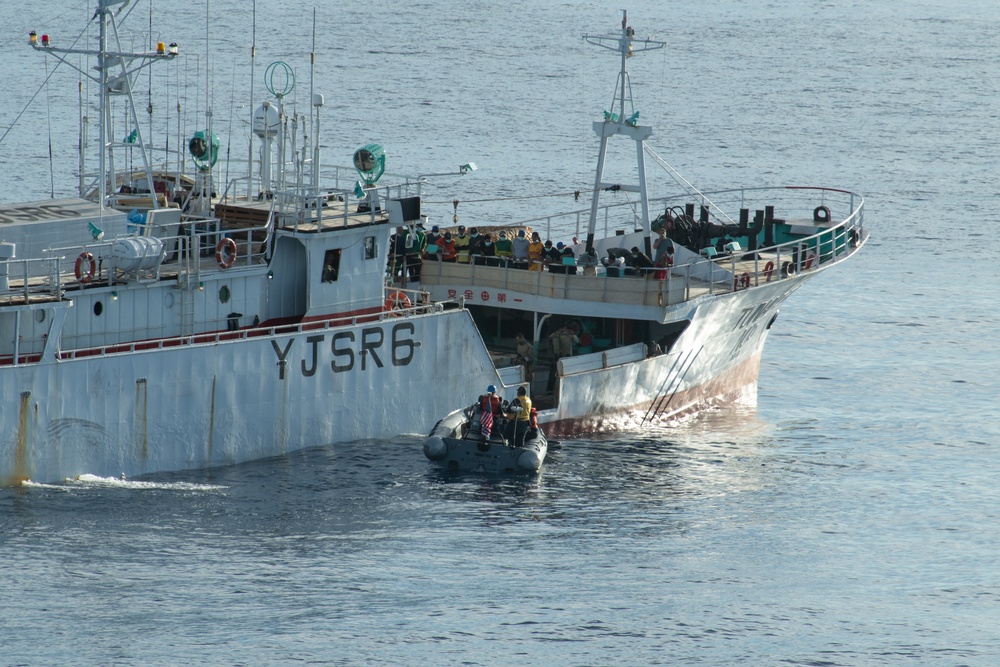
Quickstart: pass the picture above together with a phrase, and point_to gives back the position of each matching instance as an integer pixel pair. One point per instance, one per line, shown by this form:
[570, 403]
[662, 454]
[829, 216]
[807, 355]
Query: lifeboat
[457, 443]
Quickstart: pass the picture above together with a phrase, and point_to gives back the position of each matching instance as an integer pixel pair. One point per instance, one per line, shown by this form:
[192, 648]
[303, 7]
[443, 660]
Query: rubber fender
[435, 449]
[529, 460]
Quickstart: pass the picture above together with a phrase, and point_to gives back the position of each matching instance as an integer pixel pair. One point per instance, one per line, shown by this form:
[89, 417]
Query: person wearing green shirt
[504, 249]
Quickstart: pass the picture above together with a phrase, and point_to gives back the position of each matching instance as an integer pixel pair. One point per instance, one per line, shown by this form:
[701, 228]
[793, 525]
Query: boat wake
[94, 481]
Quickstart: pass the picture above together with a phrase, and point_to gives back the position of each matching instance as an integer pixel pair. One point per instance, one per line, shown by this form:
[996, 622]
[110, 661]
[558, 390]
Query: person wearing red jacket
[448, 252]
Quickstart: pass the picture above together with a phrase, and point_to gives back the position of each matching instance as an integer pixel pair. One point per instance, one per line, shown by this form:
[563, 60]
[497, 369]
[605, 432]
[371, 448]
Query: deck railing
[623, 217]
[416, 307]
[690, 278]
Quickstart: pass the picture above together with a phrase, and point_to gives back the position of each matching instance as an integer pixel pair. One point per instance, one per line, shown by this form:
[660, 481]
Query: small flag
[486, 422]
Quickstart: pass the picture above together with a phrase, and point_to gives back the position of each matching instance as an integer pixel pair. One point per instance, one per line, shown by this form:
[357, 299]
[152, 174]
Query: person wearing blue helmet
[489, 410]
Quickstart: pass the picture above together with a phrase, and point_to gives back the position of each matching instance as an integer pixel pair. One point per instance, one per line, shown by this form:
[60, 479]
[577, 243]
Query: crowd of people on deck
[410, 246]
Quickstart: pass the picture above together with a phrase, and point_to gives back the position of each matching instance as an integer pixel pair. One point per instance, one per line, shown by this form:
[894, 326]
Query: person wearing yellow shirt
[519, 412]
[536, 250]
[462, 245]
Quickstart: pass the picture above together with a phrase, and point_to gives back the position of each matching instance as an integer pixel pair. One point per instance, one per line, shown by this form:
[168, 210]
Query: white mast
[130, 63]
[616, 123]
[253, 54]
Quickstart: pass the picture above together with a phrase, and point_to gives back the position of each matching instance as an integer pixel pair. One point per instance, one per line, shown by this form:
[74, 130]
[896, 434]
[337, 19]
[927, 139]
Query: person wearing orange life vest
[489, 410]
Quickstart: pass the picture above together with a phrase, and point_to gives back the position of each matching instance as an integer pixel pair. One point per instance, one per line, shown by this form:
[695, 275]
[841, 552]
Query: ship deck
[718, 276]
[323, 213]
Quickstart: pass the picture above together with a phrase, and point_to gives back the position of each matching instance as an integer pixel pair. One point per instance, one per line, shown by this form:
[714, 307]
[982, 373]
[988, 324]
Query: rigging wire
[229, 140]
[684, 183]
[149, 90]
[28, 104]
[48, 115]
[495, 199]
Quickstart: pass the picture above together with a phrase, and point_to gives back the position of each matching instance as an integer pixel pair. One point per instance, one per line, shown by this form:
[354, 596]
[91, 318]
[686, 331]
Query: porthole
[39, 315]
[98, 309]
[224, 294]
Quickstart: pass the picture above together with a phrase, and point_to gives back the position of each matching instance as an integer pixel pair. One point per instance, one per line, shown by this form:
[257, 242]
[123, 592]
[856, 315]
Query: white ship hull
[220, 403]
[717, 360]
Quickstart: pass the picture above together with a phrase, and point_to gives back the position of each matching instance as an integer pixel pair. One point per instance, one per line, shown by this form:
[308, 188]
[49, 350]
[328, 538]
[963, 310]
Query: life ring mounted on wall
[768, 271]
[85, 266]
[225, 253]
[396, 301]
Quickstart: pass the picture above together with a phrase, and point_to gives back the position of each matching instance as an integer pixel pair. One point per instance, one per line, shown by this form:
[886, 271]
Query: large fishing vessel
[152, 324]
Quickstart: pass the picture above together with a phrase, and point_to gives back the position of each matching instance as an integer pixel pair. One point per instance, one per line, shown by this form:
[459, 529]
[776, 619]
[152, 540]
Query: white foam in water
[37, 485]
[120, 482]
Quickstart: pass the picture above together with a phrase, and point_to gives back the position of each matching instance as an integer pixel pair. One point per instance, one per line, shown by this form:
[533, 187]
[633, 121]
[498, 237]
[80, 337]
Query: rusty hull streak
[725, 387]
[211, 423]
[141, 407]
[21, 446]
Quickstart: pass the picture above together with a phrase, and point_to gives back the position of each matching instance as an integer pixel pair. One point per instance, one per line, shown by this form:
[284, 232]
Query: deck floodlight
[369, 160]
[204, 149]
[95, 231]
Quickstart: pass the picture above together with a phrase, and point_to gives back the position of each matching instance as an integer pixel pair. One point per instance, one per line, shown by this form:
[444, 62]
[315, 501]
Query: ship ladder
[187, 312]
[671, 384]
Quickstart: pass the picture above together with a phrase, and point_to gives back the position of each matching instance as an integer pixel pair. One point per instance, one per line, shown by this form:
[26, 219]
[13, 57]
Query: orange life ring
[768, 271]
[225, 253]
[745, 280]
[85, 276]
[397, 300]
[809, 261]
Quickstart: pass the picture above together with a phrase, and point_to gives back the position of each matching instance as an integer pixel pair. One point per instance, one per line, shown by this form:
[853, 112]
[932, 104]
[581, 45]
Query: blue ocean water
[849, 518]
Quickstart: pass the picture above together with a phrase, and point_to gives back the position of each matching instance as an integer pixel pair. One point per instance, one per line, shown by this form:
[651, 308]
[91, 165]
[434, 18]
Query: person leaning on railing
[521, 245]
[432, 250]
[476, 246]
[462, 243]
[504, 249]
[589, 261]
[552, 258]
[639, 264]
[488, 252]
[536, 252]
[568, 259]
[448, 252]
